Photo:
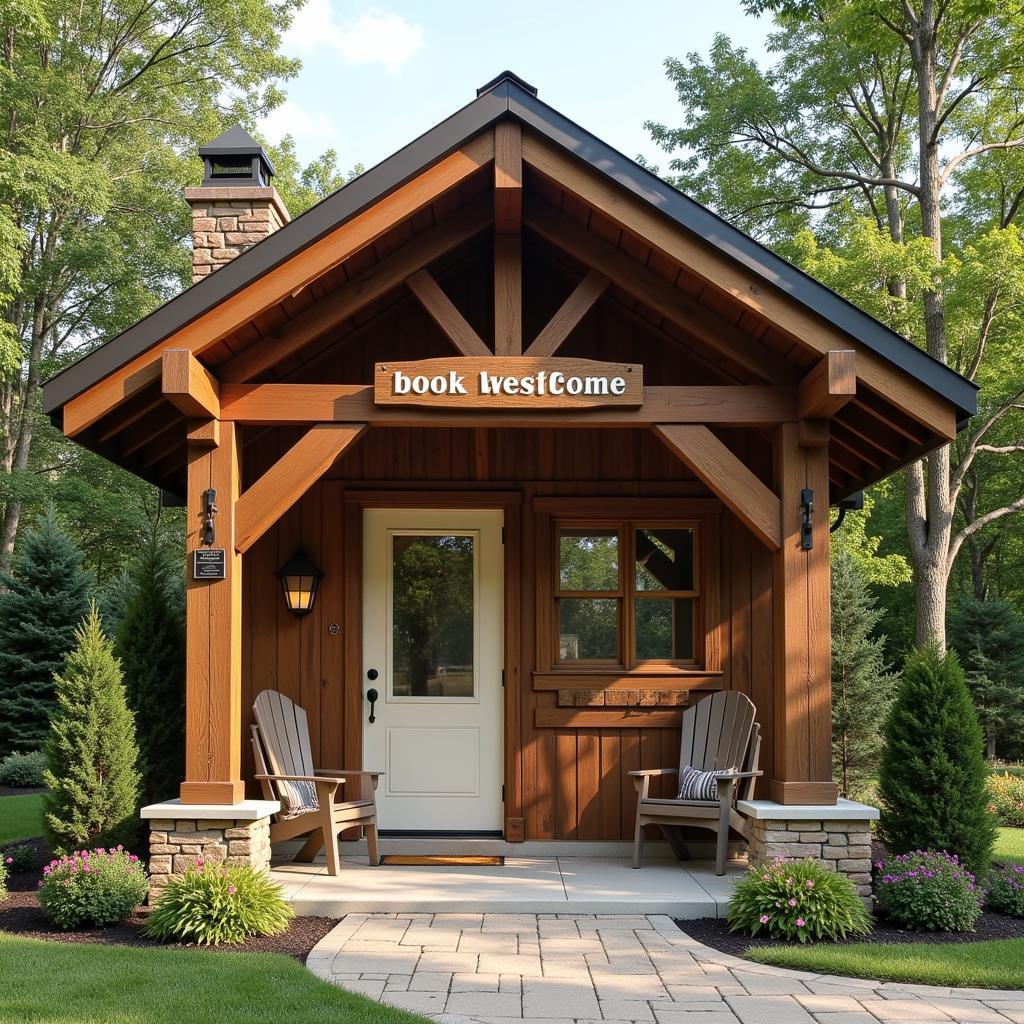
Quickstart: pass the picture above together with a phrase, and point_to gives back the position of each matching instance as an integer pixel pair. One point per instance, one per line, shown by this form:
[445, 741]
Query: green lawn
[1009, 845]
[54, 983]
[962, 964]
[21, 817]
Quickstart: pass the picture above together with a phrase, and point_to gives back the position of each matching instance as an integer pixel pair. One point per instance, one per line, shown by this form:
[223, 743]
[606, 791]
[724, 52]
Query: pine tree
[862, 687]
[42, 601]
[150, 644]
[989, 638]
[91, 754]
[932, 782]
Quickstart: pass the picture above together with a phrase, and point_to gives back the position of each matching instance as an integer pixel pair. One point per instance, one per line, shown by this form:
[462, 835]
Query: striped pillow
[298, 797]
[697, 785]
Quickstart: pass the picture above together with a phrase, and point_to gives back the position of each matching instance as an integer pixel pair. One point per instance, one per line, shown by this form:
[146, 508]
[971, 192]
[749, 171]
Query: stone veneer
[228, 220]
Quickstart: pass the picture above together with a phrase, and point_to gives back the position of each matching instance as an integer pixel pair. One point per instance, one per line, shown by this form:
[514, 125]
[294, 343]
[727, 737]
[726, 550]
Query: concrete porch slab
[535, 885]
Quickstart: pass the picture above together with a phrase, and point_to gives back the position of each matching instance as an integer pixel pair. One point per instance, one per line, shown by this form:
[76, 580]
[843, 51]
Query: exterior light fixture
[299, 578]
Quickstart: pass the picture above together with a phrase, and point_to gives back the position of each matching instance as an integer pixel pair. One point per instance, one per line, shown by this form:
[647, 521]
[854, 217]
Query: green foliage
[929, 892]
[933, 774]
[1005, 889]
[1006, 798]
[43, 601]
[211, 904]
[799, 900]
[3, 882]
[989, 638]
[862, 687]
[91, 888]
[91, 751]
[20, 857]
[150, 644]
[853, 541]
[23, 770]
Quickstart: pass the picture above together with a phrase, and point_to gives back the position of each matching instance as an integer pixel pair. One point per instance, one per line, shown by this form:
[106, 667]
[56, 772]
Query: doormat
[439, 861]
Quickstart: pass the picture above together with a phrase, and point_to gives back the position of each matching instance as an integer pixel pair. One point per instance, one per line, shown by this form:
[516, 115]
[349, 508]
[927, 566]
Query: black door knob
[371, 674]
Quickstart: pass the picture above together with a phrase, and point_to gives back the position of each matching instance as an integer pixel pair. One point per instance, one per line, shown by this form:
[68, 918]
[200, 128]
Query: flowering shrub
[1006, 799]
[928, 891]
[211, 904]
[23, 770]
[21, 857]
[1005, 891]
[797, 900]
[92, 887]
[3, 881]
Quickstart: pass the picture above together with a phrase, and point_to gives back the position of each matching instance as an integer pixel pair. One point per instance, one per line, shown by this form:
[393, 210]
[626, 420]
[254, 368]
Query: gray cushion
[697, 785]
[298, 797]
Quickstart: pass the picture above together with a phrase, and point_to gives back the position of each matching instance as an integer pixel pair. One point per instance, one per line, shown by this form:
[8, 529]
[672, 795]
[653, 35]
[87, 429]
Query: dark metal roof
[507, 95]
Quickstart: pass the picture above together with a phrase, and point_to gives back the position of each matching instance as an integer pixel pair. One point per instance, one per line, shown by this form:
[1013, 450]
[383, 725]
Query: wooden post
[213, 674]
[802, 772]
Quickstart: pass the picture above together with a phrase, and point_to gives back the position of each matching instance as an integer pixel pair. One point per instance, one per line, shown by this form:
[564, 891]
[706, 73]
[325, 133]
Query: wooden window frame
[626, 516]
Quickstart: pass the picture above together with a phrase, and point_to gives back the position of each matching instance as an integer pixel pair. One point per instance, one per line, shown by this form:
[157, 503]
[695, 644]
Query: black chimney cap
[507, 76]
[235, 159]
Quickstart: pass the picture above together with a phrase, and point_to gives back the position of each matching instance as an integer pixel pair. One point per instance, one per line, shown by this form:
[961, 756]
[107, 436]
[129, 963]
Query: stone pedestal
[838, 836]
[180, 834]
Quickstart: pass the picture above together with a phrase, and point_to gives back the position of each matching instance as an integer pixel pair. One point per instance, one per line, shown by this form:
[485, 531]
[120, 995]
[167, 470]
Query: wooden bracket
[752, 502]
[569, 314]
[829, 386]
[443, 312]
[189, 385]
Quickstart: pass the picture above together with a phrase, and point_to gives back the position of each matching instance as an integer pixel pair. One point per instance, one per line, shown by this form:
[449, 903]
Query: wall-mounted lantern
[299, 578]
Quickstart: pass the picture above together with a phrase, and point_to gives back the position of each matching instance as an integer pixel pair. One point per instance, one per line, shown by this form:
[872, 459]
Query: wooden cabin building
[562, 444]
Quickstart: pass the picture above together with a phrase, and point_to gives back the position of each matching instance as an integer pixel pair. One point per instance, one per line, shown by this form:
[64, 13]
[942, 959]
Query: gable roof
[508, 96]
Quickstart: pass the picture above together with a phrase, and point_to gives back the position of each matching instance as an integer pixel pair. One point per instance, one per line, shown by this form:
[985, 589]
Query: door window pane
[588, 629]
[664, 629]
[664, 559]
[588, 559]
[432, 596]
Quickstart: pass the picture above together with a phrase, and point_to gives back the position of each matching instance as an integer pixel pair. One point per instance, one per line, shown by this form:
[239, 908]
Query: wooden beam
[189, 385]
[205, 433]
[675, 305]
[443, 312]
[354, 295]
[266, 500]
[508, 295]
[800, 323]
[752, 502]
[801, 647]
[569, 314]
[508, 177]
[829, 386]
[326, 403]
[213, 609]
[286, 279]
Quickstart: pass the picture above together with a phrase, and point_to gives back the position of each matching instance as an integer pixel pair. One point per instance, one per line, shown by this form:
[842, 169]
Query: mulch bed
[21, 915]
[714, 932]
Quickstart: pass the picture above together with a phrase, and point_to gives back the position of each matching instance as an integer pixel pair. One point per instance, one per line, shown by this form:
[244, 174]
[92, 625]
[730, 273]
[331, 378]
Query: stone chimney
[236, 206]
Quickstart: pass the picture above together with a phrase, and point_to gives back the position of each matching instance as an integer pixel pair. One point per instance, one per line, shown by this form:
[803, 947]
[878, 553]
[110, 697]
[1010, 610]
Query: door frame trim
[510, 503]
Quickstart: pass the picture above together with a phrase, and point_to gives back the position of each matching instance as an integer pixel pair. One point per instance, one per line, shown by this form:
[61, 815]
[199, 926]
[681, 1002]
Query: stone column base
[179, 834]
[837, 836]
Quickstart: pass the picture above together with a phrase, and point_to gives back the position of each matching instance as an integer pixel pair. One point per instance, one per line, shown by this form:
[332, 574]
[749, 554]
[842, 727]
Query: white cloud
[299, 123]
[375, 37]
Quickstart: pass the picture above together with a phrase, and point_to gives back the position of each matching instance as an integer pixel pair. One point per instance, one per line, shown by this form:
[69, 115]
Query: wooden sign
[514, 382]
[209, 564]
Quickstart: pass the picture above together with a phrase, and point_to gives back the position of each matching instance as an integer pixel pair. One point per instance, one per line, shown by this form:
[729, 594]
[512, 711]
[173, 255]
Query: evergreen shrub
[212, 904]
[90, 888]
[19, 770]
[1005, 889]
[932, 782]
[928, 892]
[799, 900]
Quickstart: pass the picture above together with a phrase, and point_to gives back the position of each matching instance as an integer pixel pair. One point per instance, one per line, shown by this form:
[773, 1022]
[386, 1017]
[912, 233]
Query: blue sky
[377, 75]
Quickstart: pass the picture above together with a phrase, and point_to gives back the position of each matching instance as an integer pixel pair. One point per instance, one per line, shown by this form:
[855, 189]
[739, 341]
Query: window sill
[617, 679]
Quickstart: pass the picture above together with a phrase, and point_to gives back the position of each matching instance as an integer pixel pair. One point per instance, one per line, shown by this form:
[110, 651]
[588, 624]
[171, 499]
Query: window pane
[664, 559]
[588, 559]
[432, 616]
[664, 629]
[588, 629]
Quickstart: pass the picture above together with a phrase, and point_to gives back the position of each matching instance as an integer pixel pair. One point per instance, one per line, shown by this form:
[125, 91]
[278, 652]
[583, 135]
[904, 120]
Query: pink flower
[232, 890]
[199, 862]
[763, 919]
[800, 922]
[792, 902]
[8, 860]
[810, 883]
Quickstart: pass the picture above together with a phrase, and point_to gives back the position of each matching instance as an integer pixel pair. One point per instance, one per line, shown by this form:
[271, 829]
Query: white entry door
[433, 643]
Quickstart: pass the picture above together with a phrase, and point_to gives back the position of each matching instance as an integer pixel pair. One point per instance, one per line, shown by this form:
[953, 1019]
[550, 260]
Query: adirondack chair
[720, 734]
[284, 768]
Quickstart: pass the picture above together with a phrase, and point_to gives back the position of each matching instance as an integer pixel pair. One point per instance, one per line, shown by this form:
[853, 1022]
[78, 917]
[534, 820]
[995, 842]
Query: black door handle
[371, 696]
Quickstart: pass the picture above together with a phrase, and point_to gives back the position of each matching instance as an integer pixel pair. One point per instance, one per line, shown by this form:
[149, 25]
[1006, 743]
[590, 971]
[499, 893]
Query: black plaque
[209, 564]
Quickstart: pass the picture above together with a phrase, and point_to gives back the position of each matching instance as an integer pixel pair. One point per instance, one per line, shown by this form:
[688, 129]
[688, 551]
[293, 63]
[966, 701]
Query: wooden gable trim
[443, 312]
[284, 280]
[752, 502]
[281, 486]
[569, 314]
[188, 385]
[915, 399]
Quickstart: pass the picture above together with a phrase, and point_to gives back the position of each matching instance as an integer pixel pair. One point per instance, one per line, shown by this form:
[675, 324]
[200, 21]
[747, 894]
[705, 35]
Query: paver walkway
[557, 969]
